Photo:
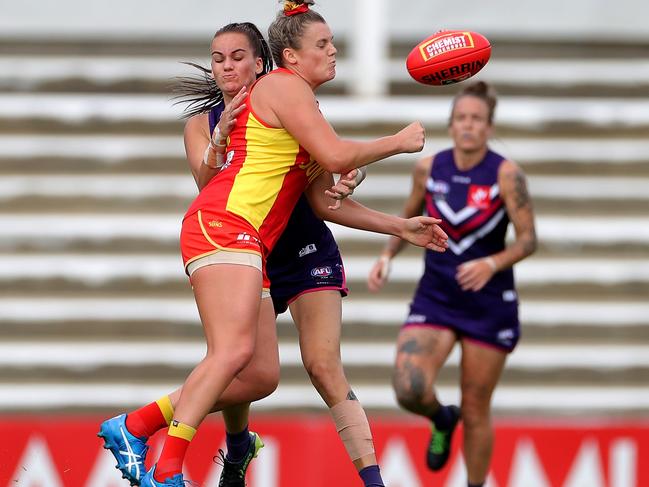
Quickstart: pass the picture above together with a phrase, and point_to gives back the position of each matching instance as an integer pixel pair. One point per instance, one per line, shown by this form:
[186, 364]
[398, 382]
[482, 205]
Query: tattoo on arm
[521, 196]
[351, 396]
[519, 205]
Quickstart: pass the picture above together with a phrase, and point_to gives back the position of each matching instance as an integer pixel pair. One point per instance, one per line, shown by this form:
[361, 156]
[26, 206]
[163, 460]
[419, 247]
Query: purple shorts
[305, 259]
[485, 319]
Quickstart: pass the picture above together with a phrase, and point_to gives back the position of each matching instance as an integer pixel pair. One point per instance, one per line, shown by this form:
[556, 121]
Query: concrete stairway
[97, 314]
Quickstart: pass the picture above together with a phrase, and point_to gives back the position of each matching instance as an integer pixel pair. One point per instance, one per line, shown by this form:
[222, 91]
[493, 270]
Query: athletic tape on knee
[353, 428]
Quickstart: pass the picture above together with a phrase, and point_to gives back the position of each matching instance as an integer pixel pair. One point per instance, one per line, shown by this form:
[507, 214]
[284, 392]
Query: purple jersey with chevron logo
[475, 219]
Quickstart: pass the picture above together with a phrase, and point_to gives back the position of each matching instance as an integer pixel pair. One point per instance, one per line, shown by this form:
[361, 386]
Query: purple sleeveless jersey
[305, 258]
[475, 219]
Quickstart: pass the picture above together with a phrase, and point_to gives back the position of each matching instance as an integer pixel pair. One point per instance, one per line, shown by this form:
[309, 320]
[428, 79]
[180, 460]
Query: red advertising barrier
[304, 451]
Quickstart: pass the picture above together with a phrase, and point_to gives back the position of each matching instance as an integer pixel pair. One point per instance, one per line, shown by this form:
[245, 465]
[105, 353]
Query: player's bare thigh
[318, 316]
[481, 367]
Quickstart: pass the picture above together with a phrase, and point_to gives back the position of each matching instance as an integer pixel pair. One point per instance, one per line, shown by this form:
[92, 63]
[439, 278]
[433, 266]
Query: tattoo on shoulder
[351, 396]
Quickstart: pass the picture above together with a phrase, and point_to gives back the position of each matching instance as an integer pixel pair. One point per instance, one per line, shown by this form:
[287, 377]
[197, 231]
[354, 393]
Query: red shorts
[205, 233]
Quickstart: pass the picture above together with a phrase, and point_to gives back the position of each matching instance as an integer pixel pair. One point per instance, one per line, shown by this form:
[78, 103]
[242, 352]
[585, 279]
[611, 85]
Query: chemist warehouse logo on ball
[445, 43]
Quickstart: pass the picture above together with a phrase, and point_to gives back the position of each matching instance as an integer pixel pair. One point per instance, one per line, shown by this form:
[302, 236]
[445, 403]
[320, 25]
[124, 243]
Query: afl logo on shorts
[321, 271]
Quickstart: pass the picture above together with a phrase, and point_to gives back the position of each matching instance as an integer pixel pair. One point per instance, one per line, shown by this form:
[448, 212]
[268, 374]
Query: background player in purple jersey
[466, 294]
[240, 55]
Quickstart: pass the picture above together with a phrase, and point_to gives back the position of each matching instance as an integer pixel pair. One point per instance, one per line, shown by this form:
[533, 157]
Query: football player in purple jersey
[466, 294]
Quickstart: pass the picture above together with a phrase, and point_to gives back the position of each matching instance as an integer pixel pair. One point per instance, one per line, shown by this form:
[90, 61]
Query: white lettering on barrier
[397, 468]
[264, 471]
[214, 473]
[457, 475]
[587, 467]
[36, 467]
[623, 464]
[103, 473]
[526, 467]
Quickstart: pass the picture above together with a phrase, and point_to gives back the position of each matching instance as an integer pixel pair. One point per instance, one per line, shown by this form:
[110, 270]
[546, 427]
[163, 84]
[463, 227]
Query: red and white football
[448, 57]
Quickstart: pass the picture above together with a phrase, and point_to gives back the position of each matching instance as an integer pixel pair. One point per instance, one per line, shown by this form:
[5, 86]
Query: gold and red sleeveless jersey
[265, 172]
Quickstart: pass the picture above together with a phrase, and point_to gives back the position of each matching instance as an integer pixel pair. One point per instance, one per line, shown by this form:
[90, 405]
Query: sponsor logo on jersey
[506, 336]
[509, 295]
[247, 238]
[478, 196]
[228, 159]
[439, 189]
[309, 249]
[461, 179]
[415, 318]
[324, 271]
[312, 168]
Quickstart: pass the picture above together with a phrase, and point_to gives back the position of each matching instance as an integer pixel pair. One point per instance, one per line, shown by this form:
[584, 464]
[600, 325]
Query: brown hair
[484, 92]
[200, 91]
[287, 30]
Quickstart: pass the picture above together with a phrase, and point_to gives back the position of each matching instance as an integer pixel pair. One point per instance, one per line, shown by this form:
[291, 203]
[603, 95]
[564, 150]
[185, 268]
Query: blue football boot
[175, 481]
[129, 451]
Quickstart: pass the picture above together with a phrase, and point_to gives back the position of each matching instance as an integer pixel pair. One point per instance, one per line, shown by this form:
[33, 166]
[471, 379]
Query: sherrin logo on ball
[448, 57]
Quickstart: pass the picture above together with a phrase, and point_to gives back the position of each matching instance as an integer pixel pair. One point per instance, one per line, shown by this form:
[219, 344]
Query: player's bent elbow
[320, 209]
[318, 202]
[336, 162]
